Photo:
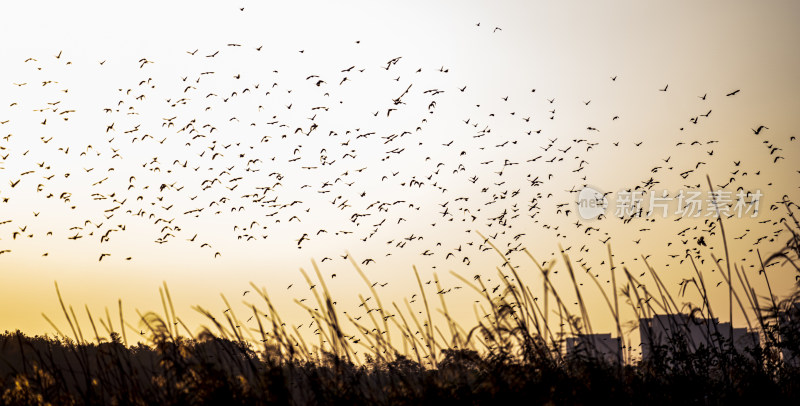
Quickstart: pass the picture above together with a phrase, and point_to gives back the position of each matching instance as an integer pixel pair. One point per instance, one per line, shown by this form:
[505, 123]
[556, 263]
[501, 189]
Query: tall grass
[393, 356]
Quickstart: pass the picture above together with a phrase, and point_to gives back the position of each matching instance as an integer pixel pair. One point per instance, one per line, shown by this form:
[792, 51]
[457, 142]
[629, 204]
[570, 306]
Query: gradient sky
[567, 51]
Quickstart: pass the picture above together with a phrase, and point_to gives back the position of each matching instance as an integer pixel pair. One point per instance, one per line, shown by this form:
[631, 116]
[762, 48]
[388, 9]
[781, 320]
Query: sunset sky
[209, 146]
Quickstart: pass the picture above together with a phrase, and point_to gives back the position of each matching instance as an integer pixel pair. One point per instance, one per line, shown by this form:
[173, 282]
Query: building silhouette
[595, 346]
[788, 323]
[671, 331]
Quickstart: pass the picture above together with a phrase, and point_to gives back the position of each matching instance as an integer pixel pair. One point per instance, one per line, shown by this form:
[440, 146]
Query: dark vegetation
[512, 355]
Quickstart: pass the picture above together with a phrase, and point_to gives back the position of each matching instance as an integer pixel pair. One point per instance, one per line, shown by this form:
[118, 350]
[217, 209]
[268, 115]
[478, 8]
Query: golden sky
[455, 117]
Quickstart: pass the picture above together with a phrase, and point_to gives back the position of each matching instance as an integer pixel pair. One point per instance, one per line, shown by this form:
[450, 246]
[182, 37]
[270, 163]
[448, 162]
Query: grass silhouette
[514, 352]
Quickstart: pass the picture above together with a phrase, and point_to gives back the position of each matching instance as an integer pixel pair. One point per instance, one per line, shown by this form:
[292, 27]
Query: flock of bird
[299, 157]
